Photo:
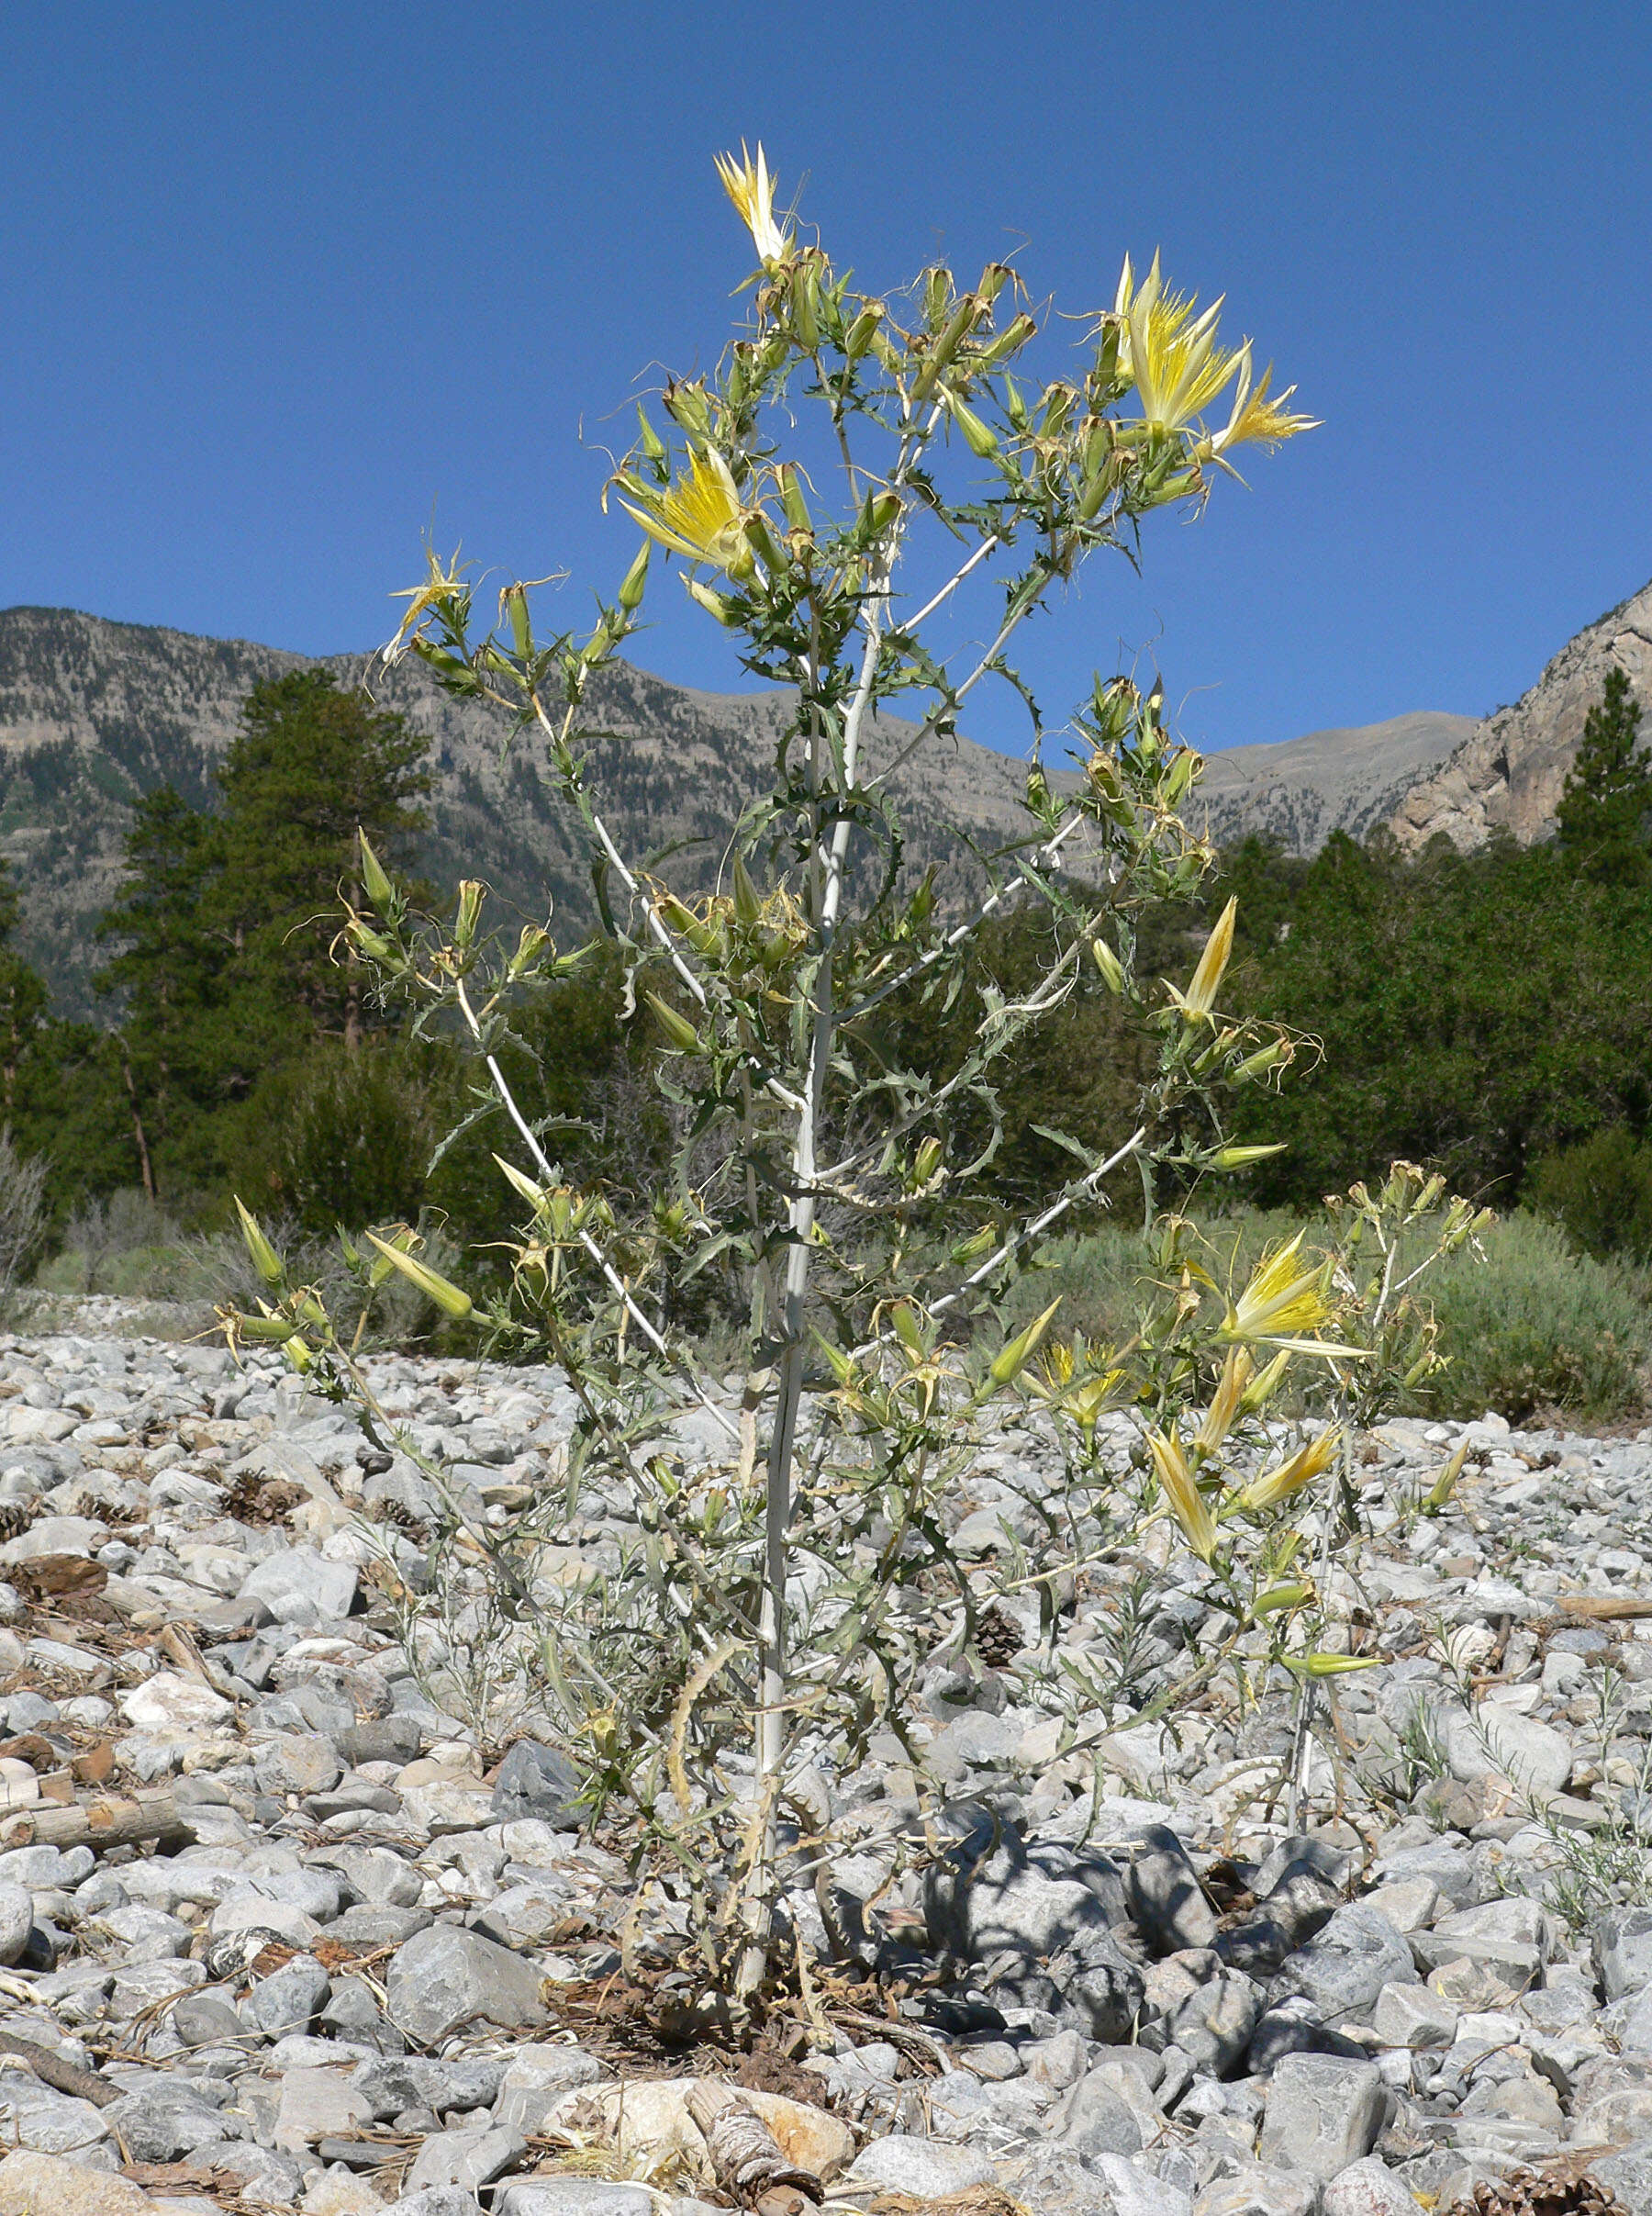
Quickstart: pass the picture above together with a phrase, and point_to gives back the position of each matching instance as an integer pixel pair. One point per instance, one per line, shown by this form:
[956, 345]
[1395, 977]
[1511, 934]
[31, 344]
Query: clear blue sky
[285, 283]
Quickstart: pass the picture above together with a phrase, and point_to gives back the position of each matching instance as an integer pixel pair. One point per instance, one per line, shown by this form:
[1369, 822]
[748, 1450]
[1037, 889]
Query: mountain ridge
[94, 713]
[1510, 772]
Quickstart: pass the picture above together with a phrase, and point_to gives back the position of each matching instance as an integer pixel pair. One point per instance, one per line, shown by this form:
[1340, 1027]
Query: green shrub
[1537, 1325]
[1602, 1192]
[1099, 1278]
[344, 1138]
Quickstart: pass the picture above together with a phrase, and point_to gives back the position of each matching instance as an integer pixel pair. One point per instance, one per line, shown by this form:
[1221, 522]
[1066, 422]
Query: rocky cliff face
[1303, 790]
[1510, 772]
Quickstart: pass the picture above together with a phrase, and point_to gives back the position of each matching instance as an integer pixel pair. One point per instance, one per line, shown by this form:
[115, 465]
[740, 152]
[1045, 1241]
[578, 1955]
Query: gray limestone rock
[1000, 1894]
[1093, 2119]
[289, 1999]
[16, 1921]
[1163, 1895]
[1322, 2113]
[1214, 2026]
[567, 2197]
[443, 1977]
[1627, 2172]
[469, 2160]
[299, 1587]
[535, 1781]
[924, 2168]
[1342, 1970]
[207, 2019]
[1369, 2188]
[1621, 1946]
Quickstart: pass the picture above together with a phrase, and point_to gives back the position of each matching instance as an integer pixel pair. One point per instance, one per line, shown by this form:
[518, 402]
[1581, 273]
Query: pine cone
[999, 1638]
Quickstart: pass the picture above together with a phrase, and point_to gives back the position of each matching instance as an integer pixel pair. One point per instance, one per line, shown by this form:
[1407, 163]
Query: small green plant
[1611, 1865]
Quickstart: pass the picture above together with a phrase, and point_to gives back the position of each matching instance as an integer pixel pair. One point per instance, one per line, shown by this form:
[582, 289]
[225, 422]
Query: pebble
[1156, 1999]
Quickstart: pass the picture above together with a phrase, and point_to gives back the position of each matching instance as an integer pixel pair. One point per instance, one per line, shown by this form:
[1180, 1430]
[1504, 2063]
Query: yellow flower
[1206, 982]
[1281, 1302]
[751, 189]
[700, 515]
[1256, 415]
[1290, 1476]
[441, 585]
[1180, 1489]
[1225, 1402]
[1169, 355]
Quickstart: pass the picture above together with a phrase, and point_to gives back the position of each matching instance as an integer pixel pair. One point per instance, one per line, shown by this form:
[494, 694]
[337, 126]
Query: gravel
[1135, 1991]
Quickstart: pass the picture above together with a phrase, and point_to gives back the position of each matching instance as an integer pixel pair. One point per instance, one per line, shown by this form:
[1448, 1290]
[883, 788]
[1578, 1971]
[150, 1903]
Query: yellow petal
[749, 184]
[1224, 1403]
[1186, 1502]
[1290, 1476]
[1201, 995]
[1281, 1300]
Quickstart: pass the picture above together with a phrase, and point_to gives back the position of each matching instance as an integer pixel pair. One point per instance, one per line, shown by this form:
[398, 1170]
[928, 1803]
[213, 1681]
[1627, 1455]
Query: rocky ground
[365, 1962]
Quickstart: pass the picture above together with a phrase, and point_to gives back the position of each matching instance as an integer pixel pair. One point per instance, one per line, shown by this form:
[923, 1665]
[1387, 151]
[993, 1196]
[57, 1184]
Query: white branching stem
[616, 1283]
[827, 881]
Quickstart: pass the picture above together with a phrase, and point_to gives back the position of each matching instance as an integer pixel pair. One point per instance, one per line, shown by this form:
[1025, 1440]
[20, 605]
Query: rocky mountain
[1301, 790]
[94, 714]
[1509, 773]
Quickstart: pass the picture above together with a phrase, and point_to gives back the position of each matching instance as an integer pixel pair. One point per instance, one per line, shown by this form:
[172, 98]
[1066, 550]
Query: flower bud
[748, 901]
[1011, 1359]
[514, 601]
[529, 947]
[791, 498]
[1108, 964]
[978, 436]
[380, 891]
[600, 644]
[687, 405]
[650, 442]
[880, 511]
[861, 332]
[680, 1031]
[1280, 1597]
[714, 603]
[373, 944]
[904, 1324]
[472, 893]
[635, 580]
[447, 1297]
[805, 306]
[760, 538]
[1265, 1058]
[1007, 343]
[265, 1259]
[265, 1330]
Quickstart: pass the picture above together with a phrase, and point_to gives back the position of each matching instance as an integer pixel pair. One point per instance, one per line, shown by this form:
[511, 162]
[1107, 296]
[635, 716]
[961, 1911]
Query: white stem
[627, 878]
[1078, 1191]
[982, 550]
[615, 1281]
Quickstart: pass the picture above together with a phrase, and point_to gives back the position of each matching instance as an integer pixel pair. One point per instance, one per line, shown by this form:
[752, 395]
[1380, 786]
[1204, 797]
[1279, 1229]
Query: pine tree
[1605, 813]
[225, 929]
[170, 968]
[309, 767]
